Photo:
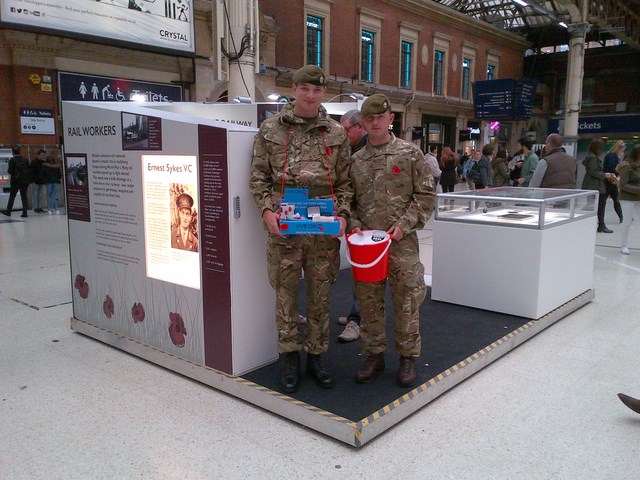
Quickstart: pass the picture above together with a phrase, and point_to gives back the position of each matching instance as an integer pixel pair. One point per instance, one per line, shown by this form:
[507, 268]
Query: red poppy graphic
[82, 286]
[137, 313]
[107, 306]
[329, 150]
[84, 290]
[79, 281]
[177, 331]
[395, 170]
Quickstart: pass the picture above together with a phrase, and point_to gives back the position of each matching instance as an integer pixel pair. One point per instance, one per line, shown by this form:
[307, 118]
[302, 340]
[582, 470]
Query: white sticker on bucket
[368, 237]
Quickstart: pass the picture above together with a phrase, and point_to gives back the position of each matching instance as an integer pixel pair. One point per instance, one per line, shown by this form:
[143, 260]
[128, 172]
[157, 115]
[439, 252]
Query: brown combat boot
[407, 373]
[371, 368]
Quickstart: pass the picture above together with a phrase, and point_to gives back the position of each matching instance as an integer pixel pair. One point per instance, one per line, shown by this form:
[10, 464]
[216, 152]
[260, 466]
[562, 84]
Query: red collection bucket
[368, 254]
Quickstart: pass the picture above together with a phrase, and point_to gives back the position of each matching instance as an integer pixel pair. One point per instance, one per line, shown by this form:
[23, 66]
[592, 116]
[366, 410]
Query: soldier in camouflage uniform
[394, 193]
[302, 147]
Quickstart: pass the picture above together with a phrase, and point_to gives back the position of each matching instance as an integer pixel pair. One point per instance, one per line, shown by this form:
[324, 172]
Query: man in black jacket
[20, 172]
[37, 176]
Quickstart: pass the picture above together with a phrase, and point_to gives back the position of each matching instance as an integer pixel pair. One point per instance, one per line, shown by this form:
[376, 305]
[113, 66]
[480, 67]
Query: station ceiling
[539, 21]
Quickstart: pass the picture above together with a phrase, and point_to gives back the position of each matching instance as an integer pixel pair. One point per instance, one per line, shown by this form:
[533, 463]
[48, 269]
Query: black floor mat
[450, 333]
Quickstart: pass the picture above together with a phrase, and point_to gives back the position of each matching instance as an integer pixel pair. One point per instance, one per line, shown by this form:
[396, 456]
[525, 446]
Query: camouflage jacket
[309, 146]
[392, 187]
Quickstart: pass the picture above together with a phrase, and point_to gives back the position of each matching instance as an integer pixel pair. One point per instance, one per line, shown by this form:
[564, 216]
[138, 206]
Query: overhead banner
[158, 24]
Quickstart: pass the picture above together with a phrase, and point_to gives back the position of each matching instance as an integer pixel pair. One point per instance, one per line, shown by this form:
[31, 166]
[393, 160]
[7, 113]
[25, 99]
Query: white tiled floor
[73, 408]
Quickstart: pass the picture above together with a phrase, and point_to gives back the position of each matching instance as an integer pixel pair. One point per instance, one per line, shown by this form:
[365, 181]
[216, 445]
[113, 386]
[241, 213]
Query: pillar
[242, 71]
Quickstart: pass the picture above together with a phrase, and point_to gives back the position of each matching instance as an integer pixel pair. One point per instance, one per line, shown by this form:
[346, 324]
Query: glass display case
[515, 250]
[522, 207]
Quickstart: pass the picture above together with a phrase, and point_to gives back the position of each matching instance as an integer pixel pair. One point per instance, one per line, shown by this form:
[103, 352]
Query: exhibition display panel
[166, 242]
[515, 250]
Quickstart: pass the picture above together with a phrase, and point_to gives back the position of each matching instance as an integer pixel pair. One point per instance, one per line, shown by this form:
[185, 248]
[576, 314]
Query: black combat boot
[290, 379]
[318, 371]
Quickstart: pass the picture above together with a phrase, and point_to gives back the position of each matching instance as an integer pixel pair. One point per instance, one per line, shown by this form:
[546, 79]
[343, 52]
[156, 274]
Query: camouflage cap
[310, 74]
[184, 201]
[375, 104]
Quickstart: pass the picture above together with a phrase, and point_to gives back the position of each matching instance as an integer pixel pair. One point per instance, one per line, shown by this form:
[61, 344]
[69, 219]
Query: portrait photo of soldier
[184, 227]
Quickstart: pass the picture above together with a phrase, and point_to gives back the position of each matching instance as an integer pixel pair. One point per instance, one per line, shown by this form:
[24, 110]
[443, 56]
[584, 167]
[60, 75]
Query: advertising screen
[154, 24]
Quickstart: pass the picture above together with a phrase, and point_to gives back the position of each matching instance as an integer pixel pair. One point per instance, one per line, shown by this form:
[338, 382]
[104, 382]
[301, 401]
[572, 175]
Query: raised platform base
[258, 387]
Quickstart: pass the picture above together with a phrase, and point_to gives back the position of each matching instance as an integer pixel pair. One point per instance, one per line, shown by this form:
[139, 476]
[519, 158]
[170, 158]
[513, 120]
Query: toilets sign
[37, 121]
[93, 88]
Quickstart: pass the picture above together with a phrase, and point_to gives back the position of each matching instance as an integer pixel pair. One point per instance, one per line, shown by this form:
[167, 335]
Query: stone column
[575, 72]
[242, 70]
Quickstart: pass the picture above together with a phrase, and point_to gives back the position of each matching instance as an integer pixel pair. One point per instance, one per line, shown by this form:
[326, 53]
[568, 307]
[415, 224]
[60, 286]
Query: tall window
[405, 64]
[466, 77]
[491, 72]
[588, 90]
[368, 49]
[314, 40]
[438, 71]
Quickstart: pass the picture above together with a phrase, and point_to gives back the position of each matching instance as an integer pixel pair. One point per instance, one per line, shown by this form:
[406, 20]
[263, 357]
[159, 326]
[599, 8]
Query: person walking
[609, 164]
[629, 171]
[302, 147]
[595, 179]
[393, 192]
[20, 172]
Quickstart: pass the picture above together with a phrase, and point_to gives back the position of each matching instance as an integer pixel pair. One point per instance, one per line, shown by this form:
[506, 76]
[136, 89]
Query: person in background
[594, 179]
[557, 169]
[611, 161]
[352, 123]
[530, 162]
[51, 175]
[394, 193]
[448, 165]
[484, 164]
[474, 157]
[38, 185]
[20, 172]
[500, 169]
[432, 165]
[629, 172]
[302, 147]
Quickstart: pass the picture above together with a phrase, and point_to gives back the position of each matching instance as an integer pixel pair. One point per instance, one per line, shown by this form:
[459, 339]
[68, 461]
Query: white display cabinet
[514, 250]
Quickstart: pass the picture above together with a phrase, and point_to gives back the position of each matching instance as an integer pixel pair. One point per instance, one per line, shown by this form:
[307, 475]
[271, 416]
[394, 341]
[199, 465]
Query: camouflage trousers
[318, 256]
[408, 290]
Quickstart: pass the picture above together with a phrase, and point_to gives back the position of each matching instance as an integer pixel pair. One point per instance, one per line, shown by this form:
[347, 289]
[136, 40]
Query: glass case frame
[519, 207]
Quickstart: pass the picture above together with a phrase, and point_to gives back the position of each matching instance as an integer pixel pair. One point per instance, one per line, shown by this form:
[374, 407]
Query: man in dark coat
[20, 172]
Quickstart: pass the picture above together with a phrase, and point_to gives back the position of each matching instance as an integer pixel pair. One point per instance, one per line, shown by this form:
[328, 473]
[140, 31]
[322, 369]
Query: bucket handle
[368, 265]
